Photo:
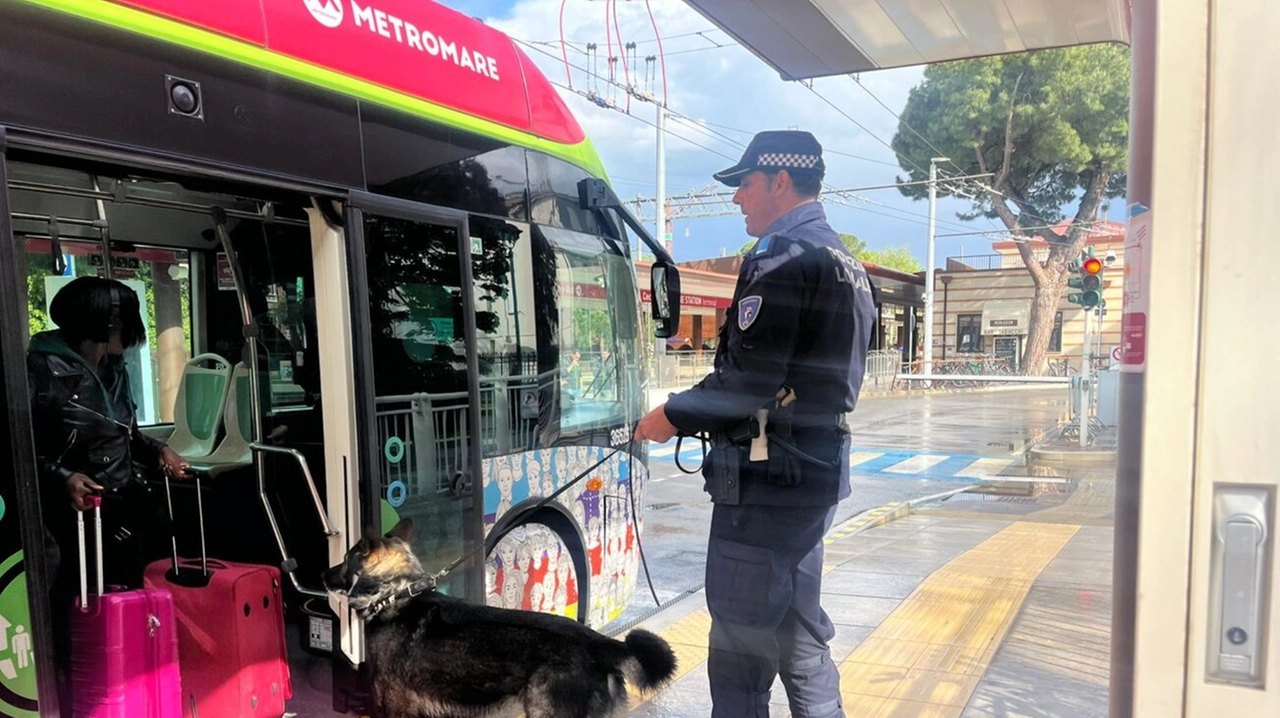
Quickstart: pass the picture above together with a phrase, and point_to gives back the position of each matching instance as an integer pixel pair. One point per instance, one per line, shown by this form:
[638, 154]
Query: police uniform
[800, 321]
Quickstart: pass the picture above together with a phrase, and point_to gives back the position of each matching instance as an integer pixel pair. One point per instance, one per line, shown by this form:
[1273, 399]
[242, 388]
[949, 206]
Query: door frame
[13, 349]
[358, 205]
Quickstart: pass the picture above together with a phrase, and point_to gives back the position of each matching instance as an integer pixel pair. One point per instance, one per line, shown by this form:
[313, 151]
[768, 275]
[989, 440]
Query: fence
[984, 262]
[424, 437]
[681, 369]
[882, 368]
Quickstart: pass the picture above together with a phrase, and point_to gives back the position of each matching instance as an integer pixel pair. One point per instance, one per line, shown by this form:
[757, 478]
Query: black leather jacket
[83, 421]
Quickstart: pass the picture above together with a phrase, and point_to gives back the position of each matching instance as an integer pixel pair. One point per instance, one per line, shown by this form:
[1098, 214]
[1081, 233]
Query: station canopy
[804, 39]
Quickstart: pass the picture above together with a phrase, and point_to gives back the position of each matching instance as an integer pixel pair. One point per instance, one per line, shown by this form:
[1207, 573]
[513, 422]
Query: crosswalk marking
[985, 468]
[917, 464]
[877, 463]
[857, 458]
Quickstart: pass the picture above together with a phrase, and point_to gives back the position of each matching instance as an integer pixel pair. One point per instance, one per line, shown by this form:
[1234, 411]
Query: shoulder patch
[748, 310]
[762, 245]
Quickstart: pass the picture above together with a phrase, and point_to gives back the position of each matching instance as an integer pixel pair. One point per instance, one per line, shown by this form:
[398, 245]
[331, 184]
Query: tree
[898, 258]
[1052, 129]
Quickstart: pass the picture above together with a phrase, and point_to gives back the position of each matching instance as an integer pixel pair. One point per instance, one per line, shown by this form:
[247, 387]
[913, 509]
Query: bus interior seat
[199, 407]
[234, 452]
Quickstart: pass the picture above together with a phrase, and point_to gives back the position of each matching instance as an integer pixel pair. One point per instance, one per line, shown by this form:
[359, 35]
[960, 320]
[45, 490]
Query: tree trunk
[170, 340]
[1044, 307]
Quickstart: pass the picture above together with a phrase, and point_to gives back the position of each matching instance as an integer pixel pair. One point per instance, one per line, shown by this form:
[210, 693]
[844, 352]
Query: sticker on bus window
[397, 492]
[394, 449]
[226, 280]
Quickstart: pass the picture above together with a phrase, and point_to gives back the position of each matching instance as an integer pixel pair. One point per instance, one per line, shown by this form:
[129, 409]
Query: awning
[802, 39]
[1009, 316]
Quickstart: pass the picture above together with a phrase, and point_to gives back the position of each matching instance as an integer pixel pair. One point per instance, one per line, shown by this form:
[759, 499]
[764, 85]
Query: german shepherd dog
[432, 656]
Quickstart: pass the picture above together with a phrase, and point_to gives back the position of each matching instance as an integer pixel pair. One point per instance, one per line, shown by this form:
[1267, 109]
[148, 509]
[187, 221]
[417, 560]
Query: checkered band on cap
[788, 159]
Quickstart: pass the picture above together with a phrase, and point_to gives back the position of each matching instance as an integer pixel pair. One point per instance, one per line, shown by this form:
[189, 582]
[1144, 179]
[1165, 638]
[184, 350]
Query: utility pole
[660, 345]
[1084, 385]
[929, 262]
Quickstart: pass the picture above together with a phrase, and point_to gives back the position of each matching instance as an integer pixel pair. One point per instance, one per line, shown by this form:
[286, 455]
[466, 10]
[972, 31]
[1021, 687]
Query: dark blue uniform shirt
[801, 317]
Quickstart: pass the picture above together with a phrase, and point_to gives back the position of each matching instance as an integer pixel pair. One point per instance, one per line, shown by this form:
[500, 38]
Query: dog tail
[652, 661]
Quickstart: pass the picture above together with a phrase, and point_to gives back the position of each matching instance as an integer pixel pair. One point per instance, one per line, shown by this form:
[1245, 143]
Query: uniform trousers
[764, 589]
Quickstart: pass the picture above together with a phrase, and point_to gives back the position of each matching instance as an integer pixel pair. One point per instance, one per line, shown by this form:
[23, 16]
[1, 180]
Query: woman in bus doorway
[87, 442]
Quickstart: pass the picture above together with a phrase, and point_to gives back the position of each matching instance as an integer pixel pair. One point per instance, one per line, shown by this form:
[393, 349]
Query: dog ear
[402, 531]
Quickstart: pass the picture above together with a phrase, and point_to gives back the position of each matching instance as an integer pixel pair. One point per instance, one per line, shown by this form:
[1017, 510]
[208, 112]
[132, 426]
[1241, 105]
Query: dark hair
[806, 184]
[92, 308]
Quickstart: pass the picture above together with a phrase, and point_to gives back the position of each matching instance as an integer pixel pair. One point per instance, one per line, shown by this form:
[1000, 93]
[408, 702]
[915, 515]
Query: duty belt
[744, 431]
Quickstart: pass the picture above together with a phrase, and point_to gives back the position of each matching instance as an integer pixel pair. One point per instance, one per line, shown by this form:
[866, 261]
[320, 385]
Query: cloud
[726, 94]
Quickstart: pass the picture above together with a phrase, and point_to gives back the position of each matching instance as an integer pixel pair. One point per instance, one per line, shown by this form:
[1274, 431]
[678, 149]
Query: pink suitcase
[231, 635]
[124, 661]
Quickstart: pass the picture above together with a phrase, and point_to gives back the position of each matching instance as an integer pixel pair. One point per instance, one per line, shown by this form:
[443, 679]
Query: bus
[383, 277]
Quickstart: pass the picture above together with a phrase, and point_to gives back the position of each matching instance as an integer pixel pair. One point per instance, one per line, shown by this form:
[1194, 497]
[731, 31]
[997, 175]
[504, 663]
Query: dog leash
[434, 579]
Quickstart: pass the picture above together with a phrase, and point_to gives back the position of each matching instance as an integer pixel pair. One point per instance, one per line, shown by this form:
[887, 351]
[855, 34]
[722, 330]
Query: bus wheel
[532, 569]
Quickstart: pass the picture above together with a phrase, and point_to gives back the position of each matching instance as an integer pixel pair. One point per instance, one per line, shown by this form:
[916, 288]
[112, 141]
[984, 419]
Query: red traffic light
[1092, 265]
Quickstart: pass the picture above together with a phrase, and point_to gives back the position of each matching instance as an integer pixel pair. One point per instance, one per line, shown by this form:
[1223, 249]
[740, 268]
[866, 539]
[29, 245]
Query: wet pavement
[993, 603]
[905, 448]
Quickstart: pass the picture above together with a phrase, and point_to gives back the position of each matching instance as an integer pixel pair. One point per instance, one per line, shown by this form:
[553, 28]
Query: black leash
[680, 442]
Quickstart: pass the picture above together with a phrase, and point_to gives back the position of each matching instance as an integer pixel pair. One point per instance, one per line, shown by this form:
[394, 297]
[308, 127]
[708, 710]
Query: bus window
[444, 167]
[514, 379]
[276, 261]
[420, 384]
[595, 357]
[553, 195]
[61, 245]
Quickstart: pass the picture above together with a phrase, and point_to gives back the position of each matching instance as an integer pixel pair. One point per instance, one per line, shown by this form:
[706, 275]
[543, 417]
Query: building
[707, 289]
[983, 303]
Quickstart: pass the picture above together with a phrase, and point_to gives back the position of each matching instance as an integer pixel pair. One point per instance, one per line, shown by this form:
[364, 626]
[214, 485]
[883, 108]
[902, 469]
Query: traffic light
[1088, 269]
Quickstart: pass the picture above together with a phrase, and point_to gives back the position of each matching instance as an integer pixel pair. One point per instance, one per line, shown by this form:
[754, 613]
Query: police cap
[795, 151]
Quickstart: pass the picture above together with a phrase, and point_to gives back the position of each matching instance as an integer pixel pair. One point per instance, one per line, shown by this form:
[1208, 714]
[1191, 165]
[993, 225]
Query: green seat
[234, 451]
[198, 410]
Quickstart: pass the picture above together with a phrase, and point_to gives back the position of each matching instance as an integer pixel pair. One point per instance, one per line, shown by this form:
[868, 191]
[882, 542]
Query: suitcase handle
[173, 534]
[96, 502]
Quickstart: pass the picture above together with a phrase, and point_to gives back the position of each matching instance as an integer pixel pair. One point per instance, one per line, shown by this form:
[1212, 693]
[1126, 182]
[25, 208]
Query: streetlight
[946, 282]
[928, 278]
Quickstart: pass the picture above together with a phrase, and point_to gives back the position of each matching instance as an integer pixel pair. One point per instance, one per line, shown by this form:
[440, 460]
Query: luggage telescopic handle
[96, 502]
[173, 526]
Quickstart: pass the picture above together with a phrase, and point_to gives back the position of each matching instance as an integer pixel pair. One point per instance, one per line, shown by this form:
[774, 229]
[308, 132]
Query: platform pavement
[983, 606]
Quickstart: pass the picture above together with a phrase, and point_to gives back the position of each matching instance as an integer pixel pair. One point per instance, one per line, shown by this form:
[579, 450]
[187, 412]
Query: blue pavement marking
[870, 462]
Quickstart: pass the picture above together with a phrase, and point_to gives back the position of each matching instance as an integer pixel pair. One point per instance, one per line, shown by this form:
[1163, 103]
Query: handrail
[306, 472]
[1005, 378]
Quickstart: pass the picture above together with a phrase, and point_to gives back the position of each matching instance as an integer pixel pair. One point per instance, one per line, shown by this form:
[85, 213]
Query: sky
[723, 95]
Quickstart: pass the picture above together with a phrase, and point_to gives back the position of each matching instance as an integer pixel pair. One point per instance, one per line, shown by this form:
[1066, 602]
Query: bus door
[417, 382]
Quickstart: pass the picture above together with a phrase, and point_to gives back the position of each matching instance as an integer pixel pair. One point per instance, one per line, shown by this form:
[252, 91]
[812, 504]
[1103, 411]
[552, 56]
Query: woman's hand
[80, 488]
[174, 466]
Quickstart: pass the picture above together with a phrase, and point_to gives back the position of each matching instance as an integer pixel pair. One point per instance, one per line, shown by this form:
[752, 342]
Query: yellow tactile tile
[688, 638]
[912, 709]
[926, 658]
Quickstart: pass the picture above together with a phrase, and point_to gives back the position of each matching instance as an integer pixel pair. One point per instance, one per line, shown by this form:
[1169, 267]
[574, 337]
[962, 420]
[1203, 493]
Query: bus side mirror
[665, 288]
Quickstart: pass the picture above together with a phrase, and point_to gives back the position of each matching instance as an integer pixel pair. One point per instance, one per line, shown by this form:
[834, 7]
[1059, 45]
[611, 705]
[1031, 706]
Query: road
[903, 448]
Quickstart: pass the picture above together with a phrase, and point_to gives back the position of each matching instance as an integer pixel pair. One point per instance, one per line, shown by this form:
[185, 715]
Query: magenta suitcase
[231, 635]
[124, 648]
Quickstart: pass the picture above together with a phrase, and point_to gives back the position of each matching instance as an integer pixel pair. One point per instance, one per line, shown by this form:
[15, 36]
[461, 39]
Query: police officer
[793, 344]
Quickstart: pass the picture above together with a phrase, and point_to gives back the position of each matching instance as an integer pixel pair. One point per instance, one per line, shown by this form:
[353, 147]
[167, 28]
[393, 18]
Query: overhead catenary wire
[912, 217]
[662, 56]
[563, 50]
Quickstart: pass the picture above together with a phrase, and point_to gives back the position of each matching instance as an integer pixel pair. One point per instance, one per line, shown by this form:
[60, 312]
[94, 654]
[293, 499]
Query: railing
[680, 369]
[981, 367]
[882, 366]
[424, 437]
[986, 262]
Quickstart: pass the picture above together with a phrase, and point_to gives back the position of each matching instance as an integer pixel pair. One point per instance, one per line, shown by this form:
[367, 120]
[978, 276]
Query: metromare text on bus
[382, 276]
